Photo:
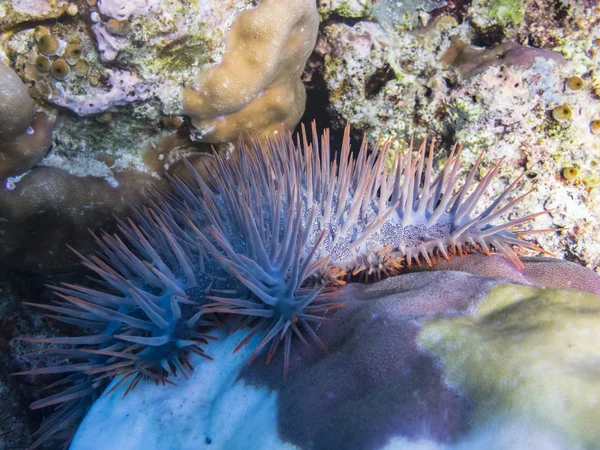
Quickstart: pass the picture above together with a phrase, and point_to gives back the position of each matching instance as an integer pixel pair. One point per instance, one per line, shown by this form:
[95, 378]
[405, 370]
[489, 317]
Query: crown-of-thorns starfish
[267, 241]
[284, 215]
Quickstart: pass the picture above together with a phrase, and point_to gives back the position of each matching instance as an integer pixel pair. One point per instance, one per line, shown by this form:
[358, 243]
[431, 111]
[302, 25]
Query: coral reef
[406, 14]
[257, 85]
[39, 219]
[496, 13]
[470, 61]
[17, 12]
[112, 74]
[485, 365]
[344, 8]
[476, 74]
[278, 230]
[17, 422]
[541, 271]
[26, 150]
[17, 106]
[25, 135]
[260, 242]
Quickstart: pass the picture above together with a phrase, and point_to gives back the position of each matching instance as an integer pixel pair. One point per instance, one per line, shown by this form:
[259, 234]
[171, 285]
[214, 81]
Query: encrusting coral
[264, 247]
[471, 61]
[257, 85]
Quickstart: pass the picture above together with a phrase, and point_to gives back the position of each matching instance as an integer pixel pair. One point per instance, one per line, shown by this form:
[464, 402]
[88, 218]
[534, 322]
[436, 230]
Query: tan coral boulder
[257, 85]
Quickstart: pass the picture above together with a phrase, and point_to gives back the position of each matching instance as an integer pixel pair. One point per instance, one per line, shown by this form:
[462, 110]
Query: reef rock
[446, 360]
[477, 74]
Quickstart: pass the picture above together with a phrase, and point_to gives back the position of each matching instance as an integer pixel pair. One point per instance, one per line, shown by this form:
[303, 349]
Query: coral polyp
[72, 53]
[60, 70]
[265, 241]
[562, 113]
[575, 83]
[42, 63]
[48, 44]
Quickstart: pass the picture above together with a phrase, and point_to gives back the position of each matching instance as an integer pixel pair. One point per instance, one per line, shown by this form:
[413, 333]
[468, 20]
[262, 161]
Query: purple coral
[266, 242]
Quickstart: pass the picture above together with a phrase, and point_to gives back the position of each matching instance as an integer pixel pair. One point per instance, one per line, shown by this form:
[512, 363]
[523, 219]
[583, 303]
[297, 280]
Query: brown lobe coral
[266, 49]
[16, 106]
[26, 136]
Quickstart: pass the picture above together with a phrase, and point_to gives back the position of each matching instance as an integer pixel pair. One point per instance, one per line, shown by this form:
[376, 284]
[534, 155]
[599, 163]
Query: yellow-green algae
[528, 353]
[346, 8]
[502, 12]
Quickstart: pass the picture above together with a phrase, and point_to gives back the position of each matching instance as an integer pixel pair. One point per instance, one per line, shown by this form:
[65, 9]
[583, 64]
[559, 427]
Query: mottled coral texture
[390, 378]
[487, 74]
[257, 85]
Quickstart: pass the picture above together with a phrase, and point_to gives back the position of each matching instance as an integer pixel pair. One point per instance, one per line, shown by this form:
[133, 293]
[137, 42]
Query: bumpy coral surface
[485, 365]
[257, 85]
[25, 135]
[17, 106]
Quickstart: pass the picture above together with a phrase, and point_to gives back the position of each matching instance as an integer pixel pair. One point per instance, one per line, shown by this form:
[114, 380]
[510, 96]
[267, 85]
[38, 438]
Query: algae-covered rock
[344, 8]
[405, 14]
[503, 13]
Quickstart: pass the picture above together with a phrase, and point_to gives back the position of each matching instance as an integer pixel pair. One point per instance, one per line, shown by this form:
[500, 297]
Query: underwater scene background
[273, 224]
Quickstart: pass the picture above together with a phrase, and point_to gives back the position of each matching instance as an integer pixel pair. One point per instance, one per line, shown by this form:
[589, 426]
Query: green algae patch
[502, 12]
[526, 352]
[182, 56]
[353, 8]
[507, 12]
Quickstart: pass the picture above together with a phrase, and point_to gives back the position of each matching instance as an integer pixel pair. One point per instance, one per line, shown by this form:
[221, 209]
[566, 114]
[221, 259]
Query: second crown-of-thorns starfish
[267, 242]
